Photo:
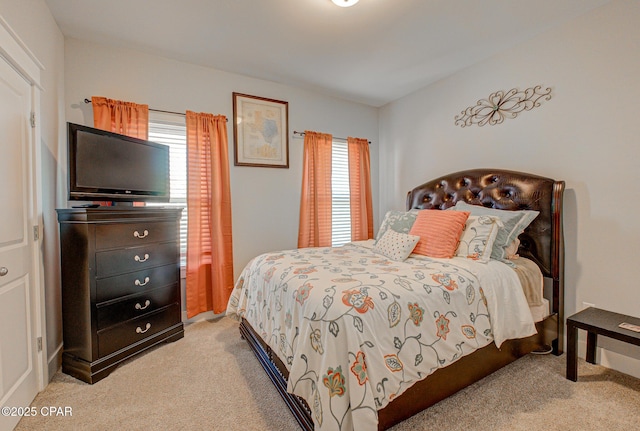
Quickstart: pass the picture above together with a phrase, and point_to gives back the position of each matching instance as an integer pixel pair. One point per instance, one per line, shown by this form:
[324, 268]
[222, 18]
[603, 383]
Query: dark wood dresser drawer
[114, 312]
[116, 337]
[135, 258]
[136, 282]
[120, 285]
[133, 234]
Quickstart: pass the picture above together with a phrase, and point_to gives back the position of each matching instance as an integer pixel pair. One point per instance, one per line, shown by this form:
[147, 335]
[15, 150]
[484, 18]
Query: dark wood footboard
[436, 387]
[464, 372]
[278, 374]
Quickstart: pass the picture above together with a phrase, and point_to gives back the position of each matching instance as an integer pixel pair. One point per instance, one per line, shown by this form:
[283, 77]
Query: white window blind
[171, 130]
[340, 197]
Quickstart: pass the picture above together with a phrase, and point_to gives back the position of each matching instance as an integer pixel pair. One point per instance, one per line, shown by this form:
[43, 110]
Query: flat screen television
[106, 166]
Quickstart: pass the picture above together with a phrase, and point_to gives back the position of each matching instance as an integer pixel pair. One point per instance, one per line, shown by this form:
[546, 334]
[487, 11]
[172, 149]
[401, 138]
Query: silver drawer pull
[3, 271]
[142, 307]
[139, 330]
[139, 283]
[144, 234]
[140, 259]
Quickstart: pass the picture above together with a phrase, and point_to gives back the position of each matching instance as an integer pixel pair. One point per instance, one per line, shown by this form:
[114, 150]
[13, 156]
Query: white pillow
[478, 237]
[395, 245]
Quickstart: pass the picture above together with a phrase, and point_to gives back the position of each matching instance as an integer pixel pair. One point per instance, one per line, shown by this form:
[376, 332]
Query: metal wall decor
[500, 105]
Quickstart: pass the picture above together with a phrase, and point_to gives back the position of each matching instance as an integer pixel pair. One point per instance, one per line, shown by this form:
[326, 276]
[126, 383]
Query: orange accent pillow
[439, 232]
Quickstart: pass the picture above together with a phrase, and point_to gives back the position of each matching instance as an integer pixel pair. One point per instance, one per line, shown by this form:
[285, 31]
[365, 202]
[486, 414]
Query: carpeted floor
[210, 380]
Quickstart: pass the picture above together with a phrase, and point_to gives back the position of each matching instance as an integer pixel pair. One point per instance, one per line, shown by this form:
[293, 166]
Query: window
[170, 129]
[340, 195]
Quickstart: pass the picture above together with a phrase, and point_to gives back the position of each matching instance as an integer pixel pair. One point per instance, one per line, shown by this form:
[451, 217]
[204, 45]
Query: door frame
[18, 55]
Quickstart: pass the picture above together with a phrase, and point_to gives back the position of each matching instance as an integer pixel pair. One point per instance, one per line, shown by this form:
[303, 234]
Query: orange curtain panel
[315, 202]
[126, 118]
[209, 240]
[360, 189]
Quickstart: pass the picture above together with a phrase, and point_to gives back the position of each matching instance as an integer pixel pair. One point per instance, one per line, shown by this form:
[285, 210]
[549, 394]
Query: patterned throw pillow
[399, 221]
[478, 237]
[439, 232]
[514, 222]
[395, 245]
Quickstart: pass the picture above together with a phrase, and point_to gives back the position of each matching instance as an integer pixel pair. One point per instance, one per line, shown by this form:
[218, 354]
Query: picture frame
[260, 131]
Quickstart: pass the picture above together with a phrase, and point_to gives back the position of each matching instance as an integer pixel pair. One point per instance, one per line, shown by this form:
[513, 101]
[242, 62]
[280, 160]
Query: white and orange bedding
[356, 329]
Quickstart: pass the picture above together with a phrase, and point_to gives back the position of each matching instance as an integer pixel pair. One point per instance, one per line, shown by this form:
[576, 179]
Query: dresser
[120, 285]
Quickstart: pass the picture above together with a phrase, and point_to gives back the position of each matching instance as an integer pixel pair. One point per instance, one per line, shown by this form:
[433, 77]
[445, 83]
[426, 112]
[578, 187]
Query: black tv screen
[106, 166]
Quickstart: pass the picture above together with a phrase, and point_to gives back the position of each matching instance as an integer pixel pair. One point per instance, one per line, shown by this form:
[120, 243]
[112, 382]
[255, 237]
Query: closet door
[20, 360]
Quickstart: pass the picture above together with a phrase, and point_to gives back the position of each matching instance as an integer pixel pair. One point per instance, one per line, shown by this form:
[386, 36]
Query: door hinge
[36, 233]
[32, 119]
[39, 342]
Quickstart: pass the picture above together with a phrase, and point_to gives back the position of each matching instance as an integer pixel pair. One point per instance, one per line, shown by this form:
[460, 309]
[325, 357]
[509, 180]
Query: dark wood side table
[596, 322]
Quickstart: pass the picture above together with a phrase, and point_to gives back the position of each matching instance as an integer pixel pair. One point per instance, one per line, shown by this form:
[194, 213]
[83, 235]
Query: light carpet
[210, 380]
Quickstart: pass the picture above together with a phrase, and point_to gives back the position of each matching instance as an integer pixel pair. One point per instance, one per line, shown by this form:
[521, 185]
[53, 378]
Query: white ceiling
[373, 52]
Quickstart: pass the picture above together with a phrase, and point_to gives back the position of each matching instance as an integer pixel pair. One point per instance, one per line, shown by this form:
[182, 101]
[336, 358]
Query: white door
[19, 357]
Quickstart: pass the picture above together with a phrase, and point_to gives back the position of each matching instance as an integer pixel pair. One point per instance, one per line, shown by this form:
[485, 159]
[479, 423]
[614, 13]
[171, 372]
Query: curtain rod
[150, 109]
[301, 134]
[157, 110]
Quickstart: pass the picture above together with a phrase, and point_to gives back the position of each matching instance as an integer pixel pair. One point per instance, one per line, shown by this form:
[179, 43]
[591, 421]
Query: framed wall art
[260, 131]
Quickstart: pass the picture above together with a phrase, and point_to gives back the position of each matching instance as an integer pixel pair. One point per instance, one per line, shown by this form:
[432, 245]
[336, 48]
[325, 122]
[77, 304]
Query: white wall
[587, 135]
[265, 201]
[33, 23]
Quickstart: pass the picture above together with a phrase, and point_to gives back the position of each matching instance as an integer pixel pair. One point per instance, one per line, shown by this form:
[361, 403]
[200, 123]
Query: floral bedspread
[356, 329]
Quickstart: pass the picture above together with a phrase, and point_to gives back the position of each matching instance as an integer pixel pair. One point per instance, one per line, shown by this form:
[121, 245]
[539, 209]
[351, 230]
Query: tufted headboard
[542, 241]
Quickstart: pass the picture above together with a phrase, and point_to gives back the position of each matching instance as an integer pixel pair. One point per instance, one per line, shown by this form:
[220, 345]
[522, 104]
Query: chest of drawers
[120, 285]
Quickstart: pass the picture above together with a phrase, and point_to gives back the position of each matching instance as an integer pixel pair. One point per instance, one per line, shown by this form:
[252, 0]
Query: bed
[350, 371]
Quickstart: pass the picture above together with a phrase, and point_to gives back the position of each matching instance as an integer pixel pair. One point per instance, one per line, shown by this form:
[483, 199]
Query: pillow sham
[514, 222]
[439, 232]
[478, 236]
[395, 245]
[399, 221]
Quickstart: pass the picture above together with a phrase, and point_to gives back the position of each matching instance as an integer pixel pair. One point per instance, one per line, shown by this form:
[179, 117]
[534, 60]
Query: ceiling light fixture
[345, 3]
